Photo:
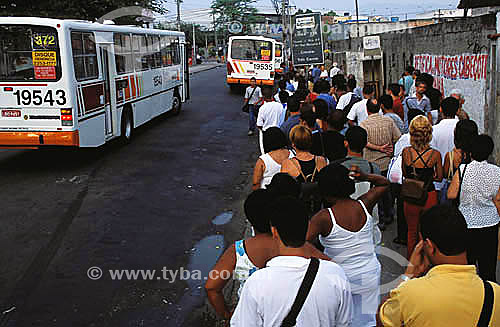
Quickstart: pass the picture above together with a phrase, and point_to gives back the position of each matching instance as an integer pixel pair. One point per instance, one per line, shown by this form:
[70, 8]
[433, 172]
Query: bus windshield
[279, 48]
[251, 50]
[29, 53]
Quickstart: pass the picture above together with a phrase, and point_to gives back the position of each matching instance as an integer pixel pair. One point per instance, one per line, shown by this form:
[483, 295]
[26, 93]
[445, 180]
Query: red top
[397, 106]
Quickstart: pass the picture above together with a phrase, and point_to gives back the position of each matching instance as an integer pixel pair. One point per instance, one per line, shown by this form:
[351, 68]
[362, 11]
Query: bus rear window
[251, 50]
[29, 53]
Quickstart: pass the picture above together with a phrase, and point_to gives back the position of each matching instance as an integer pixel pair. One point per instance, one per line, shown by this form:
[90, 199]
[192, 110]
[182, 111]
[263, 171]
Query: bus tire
[176, 103]
[127, 125]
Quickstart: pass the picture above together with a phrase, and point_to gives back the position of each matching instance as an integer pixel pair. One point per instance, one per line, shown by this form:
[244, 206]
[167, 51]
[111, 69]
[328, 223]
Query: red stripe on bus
[132, 82]
[236, 65]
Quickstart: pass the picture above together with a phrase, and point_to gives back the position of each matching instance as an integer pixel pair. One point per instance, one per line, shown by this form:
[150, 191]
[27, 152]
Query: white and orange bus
[278, 57]
[81, 84]
[250, 56]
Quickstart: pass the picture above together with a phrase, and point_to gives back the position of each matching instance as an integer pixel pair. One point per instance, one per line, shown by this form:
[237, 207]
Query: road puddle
[223, 218]
[203, 257]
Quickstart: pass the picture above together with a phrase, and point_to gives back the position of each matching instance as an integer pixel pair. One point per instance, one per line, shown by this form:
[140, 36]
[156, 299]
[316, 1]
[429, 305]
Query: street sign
[307, 40]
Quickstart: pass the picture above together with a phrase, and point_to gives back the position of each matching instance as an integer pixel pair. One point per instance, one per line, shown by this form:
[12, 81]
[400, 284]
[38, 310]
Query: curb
[204, 70]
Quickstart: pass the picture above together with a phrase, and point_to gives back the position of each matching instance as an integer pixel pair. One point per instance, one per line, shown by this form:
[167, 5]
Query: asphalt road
[147, 205]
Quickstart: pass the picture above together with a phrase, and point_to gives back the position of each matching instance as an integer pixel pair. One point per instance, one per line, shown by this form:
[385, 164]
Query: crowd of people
[338, 164]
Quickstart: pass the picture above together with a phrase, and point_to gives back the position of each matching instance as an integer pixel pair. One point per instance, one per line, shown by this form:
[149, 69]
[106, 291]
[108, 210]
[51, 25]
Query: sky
[197, 10]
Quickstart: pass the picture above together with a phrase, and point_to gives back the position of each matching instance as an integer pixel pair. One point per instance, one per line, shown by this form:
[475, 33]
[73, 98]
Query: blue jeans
[252, 118]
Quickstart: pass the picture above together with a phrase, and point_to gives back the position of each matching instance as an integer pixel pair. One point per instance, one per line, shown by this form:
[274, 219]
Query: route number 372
[37, 98]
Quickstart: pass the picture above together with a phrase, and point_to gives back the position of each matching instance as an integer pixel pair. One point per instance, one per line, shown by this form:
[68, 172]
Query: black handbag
[413, 190]
[246, 106]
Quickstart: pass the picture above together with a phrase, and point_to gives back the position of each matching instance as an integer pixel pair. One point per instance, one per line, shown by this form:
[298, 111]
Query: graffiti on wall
[466, 72]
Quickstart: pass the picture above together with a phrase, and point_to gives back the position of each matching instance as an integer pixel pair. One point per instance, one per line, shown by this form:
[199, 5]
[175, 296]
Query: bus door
[109, 128]
[104, 40]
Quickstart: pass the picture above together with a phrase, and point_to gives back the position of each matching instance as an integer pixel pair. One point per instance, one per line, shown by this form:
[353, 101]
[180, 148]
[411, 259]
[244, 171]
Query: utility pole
[284, 23]
[178, 15]
[357, 16]
[215, 34]
[194, 45]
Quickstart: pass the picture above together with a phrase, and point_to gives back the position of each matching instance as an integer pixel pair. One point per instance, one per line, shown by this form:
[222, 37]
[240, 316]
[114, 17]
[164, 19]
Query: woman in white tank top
[346, 231]
[269, 164]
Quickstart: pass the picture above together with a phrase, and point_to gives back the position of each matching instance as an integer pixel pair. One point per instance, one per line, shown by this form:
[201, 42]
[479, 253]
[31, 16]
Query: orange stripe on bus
[134, 90]
[33, 138]
[127, 90]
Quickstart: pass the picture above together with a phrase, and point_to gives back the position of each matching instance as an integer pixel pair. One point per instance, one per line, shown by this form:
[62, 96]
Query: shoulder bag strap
[461, 179]
[291, 319]
[371, 167]
[297, 165]
[315, 168]
[251, 95]
[487, 310]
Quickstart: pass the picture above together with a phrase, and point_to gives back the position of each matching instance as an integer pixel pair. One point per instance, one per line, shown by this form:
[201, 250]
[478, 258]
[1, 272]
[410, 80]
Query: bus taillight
[66, 117]
[229, 68]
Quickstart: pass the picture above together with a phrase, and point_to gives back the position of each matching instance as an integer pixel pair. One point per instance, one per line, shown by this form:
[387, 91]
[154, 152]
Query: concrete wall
[457, 53]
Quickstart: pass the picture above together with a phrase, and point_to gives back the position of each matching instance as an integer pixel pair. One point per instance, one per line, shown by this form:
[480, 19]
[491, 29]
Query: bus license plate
[11, 113]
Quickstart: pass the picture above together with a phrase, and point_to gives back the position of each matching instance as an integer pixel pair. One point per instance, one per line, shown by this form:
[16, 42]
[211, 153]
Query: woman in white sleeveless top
[269, 164]
[346, 231]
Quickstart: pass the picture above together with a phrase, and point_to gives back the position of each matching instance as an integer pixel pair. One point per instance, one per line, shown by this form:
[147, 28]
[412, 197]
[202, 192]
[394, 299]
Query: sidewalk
[204, 66]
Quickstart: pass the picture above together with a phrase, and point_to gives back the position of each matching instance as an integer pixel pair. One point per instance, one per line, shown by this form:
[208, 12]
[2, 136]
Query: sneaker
[250, 133]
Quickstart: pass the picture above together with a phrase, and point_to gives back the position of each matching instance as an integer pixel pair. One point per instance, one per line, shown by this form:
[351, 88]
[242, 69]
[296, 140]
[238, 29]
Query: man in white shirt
[335, 70]
[253, 96]
[358, 112]
[443, 134]
[270, 114]
[269, 293]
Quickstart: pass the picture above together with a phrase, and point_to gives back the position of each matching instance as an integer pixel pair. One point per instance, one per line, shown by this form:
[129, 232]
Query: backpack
[354, 99]
[309, 189]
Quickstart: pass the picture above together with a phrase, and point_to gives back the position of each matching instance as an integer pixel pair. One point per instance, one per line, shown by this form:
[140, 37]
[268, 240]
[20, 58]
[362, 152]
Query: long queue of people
[335, 168]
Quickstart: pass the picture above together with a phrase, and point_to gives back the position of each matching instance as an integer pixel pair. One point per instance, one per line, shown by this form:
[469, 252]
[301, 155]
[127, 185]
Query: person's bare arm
[386, 148]
[320, 224]
[439, 167]
[215, 283]
[258, 174]
[380, 186]
[496, 201]
[446, 167]
[315, 253]
[454, 186]
[321, 163]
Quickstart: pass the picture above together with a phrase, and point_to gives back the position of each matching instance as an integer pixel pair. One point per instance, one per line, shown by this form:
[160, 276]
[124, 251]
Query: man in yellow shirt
[450, 293]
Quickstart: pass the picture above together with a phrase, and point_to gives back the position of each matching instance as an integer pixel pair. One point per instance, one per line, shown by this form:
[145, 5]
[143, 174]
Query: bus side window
[174, 46]
[157, 53]
[165, 42]
[84, 56]
[145, 52]
[136, 46]
[123, 54]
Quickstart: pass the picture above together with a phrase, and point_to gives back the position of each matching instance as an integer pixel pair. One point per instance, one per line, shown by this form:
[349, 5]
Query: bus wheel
[127, 125]
[176, 104]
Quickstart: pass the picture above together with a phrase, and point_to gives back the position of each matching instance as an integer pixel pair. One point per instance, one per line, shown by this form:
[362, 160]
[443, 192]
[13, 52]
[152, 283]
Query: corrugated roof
[478, 3]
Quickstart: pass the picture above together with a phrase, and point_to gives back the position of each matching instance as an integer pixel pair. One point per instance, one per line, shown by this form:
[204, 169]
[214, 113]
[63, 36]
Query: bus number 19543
[37, 98]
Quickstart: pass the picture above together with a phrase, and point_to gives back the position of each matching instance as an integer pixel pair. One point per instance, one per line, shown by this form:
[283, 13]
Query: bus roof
[252, 37]
[84, 25]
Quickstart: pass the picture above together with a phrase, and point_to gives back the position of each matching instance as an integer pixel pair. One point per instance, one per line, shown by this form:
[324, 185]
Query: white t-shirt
[334, 71]
[443, 136]
[359, 111]
[256, 95]
[270, 115]
[344, 100]
[269, 293]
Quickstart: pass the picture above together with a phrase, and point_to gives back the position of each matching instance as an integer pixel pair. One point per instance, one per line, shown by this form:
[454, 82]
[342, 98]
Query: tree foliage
[331, 13]
[75, 9]
[226, 11]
